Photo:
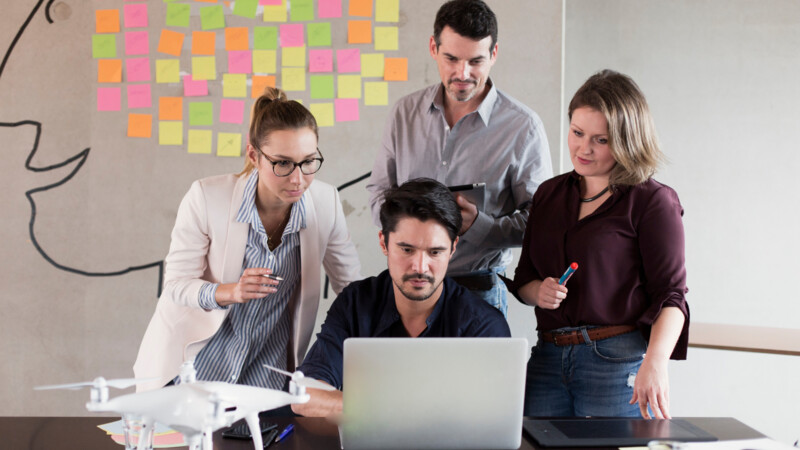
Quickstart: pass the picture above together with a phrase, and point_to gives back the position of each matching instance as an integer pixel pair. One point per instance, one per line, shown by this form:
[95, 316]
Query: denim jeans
[497, 296]
[590, 379]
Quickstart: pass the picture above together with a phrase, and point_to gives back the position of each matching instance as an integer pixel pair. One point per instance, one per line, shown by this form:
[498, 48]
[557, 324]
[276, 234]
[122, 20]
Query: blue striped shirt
[256, 332]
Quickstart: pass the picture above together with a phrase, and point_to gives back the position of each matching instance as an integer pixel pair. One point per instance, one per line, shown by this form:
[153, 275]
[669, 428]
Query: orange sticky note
[260, 82]
[140, 125]
[236, 38]
[361, 8]
[109, 70]
[359, 31]
[171, 42]
[106, 21]
[204, 42]
[395, 69]
[170, 108]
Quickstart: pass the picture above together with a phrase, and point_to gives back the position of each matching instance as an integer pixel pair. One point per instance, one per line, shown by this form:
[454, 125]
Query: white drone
[194, 408]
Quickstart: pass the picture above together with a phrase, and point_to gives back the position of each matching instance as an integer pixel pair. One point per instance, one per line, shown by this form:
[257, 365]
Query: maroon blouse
[630, 254]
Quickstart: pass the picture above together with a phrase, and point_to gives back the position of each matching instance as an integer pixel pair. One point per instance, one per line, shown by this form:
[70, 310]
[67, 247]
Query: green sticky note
[168, 71]
[170, 132]
[229, 144]
[293, 79]
[201, 113]
[323, 113]
[293, 56]
[386, 38]
[245, 8]
[301, 10]
[212, 17]
[265, 38]
[204, 68]
[178, 15]
[321, 86]
[372, 65]
[376, 93]
[234, 85]
[104, 46]
[387, 10]
[265, 61]
[349, 86]
[200, 141]
[319, 34]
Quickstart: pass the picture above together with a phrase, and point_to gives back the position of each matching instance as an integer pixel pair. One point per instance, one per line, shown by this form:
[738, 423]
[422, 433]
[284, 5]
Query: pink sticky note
[329, 8]
[348, 60]
[320, 60]
[139, 96]
[109, 99]
[136, 43]
[231, 111]
[137, 69]
[292, 35]
[269, 2]
[192, 88]
[346, 109]
[240, 61]
[135, 15]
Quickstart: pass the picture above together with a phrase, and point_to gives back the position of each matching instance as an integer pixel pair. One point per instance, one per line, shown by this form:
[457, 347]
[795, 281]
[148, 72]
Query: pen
[270, 437]
[284, 433]
[273, 277]
[568, 273]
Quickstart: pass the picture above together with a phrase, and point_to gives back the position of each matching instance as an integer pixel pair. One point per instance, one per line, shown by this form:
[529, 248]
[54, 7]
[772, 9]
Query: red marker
[570, 270]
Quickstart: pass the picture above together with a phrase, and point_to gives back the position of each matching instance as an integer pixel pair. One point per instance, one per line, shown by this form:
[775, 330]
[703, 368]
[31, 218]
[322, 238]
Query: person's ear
[453, 246]
[252, 155]
[382, 242]
[433, 47]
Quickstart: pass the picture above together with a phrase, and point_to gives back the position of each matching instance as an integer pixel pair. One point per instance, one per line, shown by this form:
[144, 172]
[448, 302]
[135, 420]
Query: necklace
[272, 238]
[595, 197]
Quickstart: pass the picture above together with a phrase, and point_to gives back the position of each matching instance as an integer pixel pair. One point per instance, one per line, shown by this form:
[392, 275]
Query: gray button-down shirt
[502, 144]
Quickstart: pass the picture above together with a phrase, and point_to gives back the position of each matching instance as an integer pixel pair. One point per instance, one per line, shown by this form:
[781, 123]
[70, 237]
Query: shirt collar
[484, 110]
[248, 213]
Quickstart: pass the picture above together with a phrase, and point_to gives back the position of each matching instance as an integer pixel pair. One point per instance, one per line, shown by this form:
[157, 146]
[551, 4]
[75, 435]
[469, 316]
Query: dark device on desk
[240, 430]
[612, 432]
[475, 193]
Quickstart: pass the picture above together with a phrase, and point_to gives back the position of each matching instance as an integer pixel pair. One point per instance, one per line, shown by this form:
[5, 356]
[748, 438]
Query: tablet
[612, 432]
[475, 193]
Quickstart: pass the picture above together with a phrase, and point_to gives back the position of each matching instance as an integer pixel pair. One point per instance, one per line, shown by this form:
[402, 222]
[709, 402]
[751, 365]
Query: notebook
[433, 393]
[611, 432]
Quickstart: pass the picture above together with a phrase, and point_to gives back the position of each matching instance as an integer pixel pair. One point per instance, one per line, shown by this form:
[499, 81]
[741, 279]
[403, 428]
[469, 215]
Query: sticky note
[234, 85]
[386, 38]
[387, 10]
[361, 8]
[140, 125]
[106, 21]
[168, 71]
[137, 43]
[237, 38]
[229, 144]
[321, 86]
[301, 10]
[359, 32]
[329, 9]
[293, 79]
[346, 109]
[178, 15]
[170, 133]
[212, 17]
[372, 65]
[135, 15]
[194, 88]
[265, 38]
[395, 69]
[139, 96]
[321, 61]
[348, 60]
[104, 46]
[109, 99]
[137, 69]
[261, 82]
[349, 86]
[240, 62]
[323, 114]
[319, 34]
[265, 61]
[201, 114]
[245, 8]
[292, 35]
[276, 13]
[170, 108]
[231, 111]
[204, 42]
[199, 142]
[293, 56]
[171, 42]
[109, 70]
[204, 68]
[376, 93]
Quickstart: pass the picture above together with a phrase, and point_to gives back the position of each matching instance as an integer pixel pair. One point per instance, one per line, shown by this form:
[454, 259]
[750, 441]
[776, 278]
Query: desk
[81, 433]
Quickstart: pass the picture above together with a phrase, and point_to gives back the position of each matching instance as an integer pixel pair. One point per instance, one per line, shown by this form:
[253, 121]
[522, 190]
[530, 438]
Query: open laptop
[433, 393]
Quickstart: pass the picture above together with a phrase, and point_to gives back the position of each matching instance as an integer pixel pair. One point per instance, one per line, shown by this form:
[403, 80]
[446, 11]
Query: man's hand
[322, 404]
[468, 213]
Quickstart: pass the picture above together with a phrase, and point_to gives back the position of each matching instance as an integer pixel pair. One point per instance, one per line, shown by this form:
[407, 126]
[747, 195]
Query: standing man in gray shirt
[465, 131]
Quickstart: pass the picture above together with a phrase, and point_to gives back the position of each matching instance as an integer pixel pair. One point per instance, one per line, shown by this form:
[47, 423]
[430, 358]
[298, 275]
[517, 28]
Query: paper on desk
[742, 444]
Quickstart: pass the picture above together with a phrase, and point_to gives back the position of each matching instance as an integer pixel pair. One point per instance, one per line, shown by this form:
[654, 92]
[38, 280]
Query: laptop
[433, 393]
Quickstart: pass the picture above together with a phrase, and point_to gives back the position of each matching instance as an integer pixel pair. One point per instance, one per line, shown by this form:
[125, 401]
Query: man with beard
[413, 298]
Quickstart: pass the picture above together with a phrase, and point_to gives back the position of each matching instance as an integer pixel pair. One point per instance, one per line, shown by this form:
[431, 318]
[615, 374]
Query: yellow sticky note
[204, 68]
[229, 144]
[200, 141]
[376, 93]
[293, 56]
[275, 13]
[386, 38]
[261, 82]
[234, 85]
[293, 79]
[265, 61]
[323, 113]
[372, 65]
[170, 132]
[109, 70]
[387, 10]
[168, 71]
[349, 86]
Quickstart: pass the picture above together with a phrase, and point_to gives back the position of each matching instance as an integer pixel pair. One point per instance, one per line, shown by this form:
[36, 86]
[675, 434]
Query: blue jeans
[497, 296]
[591, 379]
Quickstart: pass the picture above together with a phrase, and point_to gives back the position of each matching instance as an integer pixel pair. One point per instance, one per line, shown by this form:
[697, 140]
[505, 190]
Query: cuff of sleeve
[207, 297]
[480, 228]
[646, 321]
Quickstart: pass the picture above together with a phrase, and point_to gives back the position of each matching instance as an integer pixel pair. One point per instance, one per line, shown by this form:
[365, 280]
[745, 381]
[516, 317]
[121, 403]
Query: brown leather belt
[575, 337]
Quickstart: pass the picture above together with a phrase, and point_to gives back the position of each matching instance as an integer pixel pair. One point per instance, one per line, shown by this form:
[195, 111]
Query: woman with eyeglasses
[242, 279]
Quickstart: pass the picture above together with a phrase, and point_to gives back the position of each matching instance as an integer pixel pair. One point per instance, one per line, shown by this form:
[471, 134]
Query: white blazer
[208, 245]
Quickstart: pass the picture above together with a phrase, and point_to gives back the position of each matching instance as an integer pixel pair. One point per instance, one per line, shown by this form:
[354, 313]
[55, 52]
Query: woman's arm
[547, 293]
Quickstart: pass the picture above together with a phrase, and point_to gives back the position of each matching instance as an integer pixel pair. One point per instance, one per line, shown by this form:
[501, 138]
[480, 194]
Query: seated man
[420, 221]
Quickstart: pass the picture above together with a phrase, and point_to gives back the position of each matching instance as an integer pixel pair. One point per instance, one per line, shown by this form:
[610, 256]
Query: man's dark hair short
[469, 18]
[422, 199]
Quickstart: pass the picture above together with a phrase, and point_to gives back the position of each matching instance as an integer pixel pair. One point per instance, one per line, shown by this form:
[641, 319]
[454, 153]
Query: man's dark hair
[469, 18]
[422, 199]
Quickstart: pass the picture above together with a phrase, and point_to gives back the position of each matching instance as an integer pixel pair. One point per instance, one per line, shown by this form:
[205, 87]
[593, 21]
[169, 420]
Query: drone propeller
[302, 380]
[99, 382]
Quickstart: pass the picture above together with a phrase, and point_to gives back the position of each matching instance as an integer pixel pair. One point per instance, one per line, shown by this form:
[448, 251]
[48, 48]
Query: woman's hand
[550, 294]
[252, 284]
[652, 387]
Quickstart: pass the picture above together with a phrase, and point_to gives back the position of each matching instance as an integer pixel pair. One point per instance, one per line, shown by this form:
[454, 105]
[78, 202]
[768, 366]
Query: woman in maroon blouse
[627, 297]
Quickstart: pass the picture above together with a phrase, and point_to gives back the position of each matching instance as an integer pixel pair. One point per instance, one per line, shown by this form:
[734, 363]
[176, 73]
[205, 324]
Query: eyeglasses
[284, 168]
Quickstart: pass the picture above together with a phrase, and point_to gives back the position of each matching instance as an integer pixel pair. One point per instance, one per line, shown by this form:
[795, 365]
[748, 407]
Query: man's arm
[322, 404]
[384, 169]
